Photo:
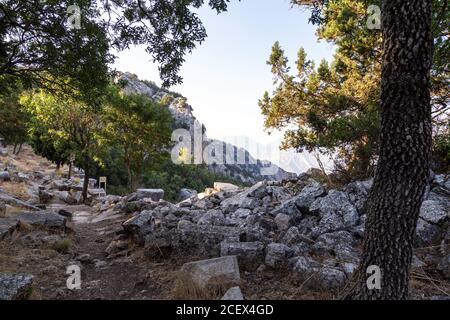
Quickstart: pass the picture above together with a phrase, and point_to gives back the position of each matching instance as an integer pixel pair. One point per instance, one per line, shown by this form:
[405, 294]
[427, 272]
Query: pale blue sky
[226, 75]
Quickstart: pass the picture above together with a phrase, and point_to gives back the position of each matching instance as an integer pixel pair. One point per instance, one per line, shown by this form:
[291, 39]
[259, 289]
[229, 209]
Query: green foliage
[139, 127]
[13, 119]
[441, 150]
[36, 34]
[70, 124]
[333, 108]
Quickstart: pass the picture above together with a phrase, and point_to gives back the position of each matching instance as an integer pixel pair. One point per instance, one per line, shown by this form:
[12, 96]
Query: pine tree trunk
[405, 148]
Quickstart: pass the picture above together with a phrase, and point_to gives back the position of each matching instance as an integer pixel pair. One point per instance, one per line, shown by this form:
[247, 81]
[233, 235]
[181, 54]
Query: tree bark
[405, 149]
[70, 170]
[86, 178]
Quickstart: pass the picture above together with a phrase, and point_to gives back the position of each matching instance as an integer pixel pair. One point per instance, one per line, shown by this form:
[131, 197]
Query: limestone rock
[187, 193]
[223, 271]
[153, 194]
[433, 211]
[15, 286]
[249, 254]
[277, 254]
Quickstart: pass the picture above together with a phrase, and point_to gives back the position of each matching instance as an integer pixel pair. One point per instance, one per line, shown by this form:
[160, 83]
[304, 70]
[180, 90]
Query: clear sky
[226, 75]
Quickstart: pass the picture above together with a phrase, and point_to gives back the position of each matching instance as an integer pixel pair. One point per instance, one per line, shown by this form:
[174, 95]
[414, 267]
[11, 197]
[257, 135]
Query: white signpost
[102, 180]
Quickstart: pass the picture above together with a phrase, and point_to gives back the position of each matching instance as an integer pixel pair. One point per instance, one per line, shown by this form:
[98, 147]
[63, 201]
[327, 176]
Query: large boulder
[223, 186]
[434, 211]
[154, 194]
[223, 272]
[193, 239]
[247, 199]
[306, 197]
[336, 212]
[5, 176]
[249, 254]
[140, 225]
[427, 233]
[277, 254]
[358, 192]
[7, 227]
[318, 275]
[187, 194]
[212, 217]
[15, 286]
[42, 219]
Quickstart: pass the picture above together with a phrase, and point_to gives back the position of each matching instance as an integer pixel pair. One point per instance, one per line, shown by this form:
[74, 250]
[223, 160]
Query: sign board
[102, 183]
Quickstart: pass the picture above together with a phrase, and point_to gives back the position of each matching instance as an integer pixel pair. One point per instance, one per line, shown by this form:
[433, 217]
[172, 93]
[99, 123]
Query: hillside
[248, 170]
[291, 239]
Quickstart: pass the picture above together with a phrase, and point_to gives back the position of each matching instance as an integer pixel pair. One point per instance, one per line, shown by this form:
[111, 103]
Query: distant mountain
[221, 157]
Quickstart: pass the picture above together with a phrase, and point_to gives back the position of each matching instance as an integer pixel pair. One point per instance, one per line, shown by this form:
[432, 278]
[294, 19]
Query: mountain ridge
[232, 161]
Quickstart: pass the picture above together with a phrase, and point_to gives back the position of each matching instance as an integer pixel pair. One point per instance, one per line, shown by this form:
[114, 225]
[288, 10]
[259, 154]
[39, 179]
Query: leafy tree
[39, 45]
[334, 108]
[44, 144]
[139, 127]
[13, 119]
[36, 36]
[70, 123]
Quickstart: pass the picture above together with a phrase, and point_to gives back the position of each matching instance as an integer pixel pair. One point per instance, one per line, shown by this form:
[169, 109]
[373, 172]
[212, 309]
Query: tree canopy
[333, 107]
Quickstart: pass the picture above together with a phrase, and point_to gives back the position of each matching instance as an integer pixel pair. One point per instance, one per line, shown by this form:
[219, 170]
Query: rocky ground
[295, 239]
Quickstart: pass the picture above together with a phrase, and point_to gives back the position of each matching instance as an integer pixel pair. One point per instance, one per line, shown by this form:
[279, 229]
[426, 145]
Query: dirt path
[125, 276]
[128, 275]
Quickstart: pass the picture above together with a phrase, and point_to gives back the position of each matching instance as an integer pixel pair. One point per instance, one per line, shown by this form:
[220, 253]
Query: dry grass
[27, 161]
[18, 190]
[62, 246]
[186, 289]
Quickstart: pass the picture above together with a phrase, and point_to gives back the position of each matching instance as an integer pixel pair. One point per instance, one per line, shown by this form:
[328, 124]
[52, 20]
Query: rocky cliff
[249, 171]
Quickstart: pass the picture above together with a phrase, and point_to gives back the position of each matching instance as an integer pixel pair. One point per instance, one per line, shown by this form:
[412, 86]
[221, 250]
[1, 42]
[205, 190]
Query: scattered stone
[5, 176]
[7, 227]
[223, 272]
[84, 258]
[212, 217]
[249, 254]
[153, 194]
[187, 194]
[283, 221]
[433, 211]
[222, 186]
[43, 219]
[140, 225]
[15, 286]
[277, 254]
